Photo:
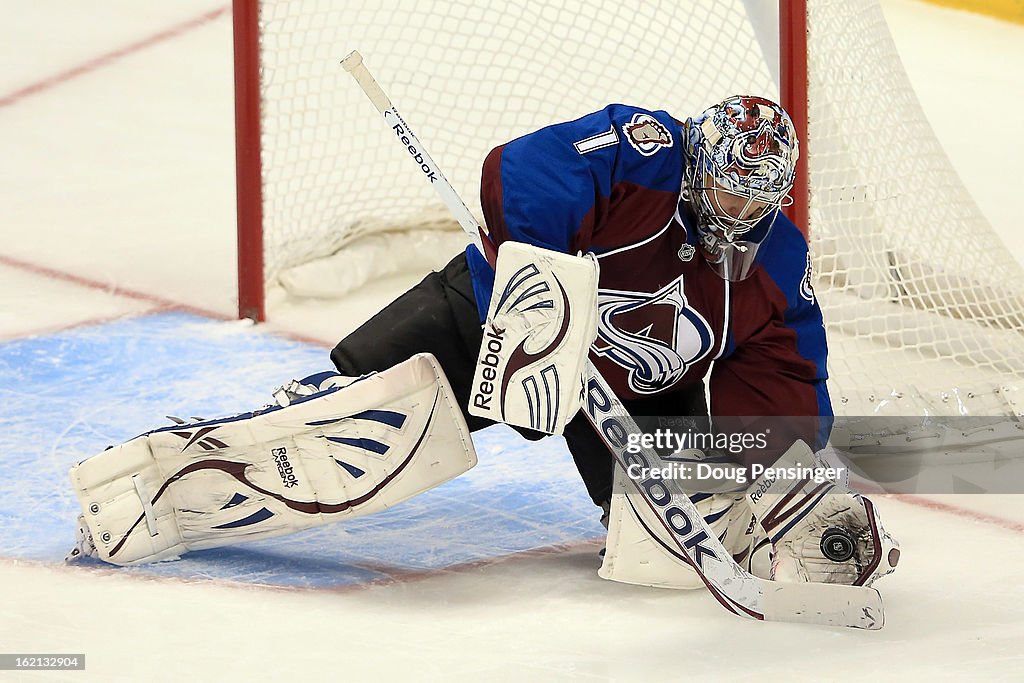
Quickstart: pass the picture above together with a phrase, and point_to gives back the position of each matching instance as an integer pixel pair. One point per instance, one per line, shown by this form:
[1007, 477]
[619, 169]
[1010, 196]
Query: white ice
[122, 176]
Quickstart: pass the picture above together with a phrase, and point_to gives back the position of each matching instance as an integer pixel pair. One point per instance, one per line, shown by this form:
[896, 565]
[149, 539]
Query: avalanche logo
[806, 289]
[647, 134]
[656, 337]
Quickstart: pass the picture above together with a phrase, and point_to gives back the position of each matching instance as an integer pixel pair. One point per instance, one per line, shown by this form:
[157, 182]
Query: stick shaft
[353, 63]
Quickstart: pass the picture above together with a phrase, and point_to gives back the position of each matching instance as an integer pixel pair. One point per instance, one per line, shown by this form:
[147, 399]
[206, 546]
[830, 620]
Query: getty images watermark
[698, 466]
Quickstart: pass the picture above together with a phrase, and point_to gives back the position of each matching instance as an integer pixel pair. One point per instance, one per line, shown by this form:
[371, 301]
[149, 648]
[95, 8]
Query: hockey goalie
[653, 248]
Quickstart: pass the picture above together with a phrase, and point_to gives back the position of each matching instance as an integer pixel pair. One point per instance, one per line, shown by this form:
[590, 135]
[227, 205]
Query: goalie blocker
[540, 324]
[336, 454]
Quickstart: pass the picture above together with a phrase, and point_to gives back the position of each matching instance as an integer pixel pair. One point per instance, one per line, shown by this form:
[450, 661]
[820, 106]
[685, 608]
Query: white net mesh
[466, 76]
[916, 294]
[924, 307]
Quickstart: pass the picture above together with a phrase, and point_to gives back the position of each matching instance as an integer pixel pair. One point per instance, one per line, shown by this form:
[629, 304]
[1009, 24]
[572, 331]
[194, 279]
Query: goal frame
[248, 160]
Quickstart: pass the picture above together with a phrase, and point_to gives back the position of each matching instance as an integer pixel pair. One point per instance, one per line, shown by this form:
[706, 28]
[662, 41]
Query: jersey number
[609, 138]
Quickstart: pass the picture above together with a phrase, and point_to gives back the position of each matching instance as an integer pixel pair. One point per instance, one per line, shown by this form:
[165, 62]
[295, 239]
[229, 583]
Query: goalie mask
[740, 164]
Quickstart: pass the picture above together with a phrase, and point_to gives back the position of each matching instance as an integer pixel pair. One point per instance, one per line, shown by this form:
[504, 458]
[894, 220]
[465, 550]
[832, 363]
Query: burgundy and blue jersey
[609, 184]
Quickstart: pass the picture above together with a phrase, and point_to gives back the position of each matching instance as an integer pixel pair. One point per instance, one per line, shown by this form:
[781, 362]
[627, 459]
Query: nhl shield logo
[647, 134]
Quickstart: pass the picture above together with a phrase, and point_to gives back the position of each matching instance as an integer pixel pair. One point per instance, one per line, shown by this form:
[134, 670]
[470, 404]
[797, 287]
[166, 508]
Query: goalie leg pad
[336, 454]
[640, 551]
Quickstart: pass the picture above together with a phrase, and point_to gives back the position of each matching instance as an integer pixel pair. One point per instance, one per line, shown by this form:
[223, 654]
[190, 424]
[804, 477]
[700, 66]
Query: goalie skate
[84, 545]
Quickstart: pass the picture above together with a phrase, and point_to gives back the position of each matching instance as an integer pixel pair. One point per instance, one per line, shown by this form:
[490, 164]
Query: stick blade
[825, 604]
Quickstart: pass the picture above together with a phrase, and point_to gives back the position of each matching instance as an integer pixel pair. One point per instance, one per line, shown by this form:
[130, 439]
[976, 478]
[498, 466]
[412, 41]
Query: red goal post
[248, 164]
[793, 86]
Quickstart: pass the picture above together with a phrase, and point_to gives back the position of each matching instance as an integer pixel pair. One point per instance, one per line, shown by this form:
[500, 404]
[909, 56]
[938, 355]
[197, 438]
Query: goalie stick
[737, 590]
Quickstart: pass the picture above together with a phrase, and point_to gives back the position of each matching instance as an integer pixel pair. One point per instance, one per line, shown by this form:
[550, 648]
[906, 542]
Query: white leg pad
[338, 454]
[638, 549]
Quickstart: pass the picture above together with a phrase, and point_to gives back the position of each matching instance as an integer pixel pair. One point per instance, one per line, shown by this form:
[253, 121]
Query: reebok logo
[400, 131]
[493, 342]
[284, 468]
[200, 437]
[756, 494]
[689, 534]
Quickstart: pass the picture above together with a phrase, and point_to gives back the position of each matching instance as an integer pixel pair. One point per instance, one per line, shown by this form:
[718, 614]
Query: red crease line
[113, 290]
[111, 57]
[958, 511]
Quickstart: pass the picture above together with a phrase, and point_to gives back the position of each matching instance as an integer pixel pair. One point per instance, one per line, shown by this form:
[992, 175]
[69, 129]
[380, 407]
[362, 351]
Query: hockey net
[924, 311]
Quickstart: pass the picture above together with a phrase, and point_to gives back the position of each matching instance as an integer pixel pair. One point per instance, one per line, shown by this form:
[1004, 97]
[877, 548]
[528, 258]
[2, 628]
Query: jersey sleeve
[775, 378]
[554, 187]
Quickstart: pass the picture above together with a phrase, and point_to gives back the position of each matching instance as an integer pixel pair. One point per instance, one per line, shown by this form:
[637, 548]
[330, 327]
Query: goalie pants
[439, 316]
